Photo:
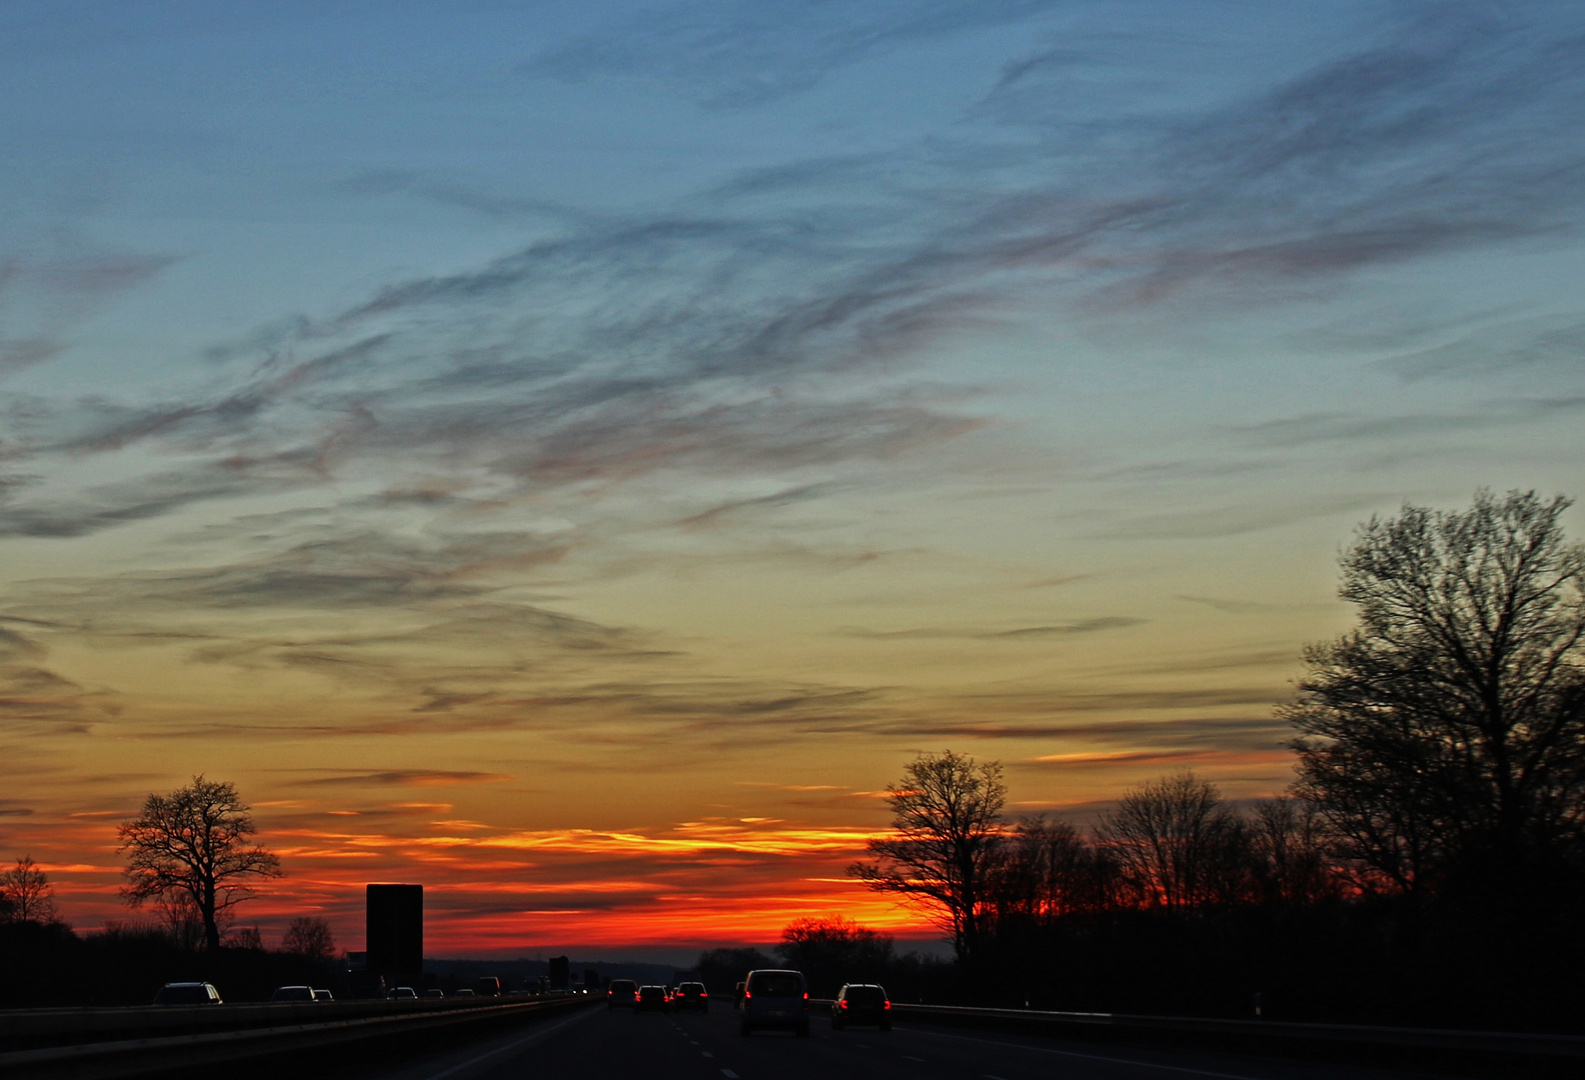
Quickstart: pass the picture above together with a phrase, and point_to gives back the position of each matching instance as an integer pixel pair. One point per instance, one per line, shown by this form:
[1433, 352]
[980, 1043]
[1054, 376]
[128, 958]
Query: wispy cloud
[46, 293]
[739, 336]
[406, 778]
[1019, 633]
[1234, 520]
[1546, 346]
[740, 55]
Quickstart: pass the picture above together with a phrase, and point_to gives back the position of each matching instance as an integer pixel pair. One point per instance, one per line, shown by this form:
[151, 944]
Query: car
[774, 998]
[466, 991]
[652, 999]
[488, 986]
[691, 995]
[402, 993]
[323, 996]
[621, 994]
[861, 1003]
[188, 993]
[292, 994]
[434, 991]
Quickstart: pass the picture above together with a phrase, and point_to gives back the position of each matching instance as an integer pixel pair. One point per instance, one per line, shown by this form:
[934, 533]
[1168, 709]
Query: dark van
[774, 998]
[622, 994]
[489, 986]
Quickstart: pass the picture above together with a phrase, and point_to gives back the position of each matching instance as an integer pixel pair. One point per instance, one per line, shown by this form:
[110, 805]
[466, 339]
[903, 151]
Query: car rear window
[776, 984]
[866, 995]
[623, 986]
[182, 995]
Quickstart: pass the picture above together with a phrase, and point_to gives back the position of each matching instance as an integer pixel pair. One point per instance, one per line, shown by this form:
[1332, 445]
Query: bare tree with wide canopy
[946, 831]
[26, 894]
[192, 846]
[1444, 738]
[311, 937]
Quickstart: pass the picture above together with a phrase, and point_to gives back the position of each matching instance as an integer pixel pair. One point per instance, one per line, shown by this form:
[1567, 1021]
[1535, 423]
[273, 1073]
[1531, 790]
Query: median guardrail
[107, 1044]
[1495, 1042]
[1267, 1034]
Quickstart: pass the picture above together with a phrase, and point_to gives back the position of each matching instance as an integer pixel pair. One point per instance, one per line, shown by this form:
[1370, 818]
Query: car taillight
[747, 995]
[843, 1003]
[806, 995]
[887, 1005]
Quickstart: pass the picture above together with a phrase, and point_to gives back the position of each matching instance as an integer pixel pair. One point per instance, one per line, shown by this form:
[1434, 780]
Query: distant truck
[489, 986]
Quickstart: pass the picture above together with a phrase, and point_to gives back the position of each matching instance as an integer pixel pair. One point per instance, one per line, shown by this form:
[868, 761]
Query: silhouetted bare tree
[1176, 844]
[26, 894]
[831, 951]
[720, 969]
[1288, 842]
[310, 937]
[1444, 739]
[946, 828]
[192, 846]
[1047, 871]
[245, 937]
[183, 923]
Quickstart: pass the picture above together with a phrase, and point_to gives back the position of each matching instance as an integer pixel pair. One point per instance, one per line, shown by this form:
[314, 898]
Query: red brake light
[887, 1005]
[806, 995]
[747, 995]
[843, 1003]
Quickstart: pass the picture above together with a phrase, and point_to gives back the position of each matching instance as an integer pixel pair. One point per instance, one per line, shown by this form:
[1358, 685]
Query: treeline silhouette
[50, 964]
[1181, 903]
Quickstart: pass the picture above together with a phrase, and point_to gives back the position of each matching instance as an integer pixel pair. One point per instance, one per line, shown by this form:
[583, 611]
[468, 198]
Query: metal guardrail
[27, 1029]
[253, 1030]
[1484, 1042]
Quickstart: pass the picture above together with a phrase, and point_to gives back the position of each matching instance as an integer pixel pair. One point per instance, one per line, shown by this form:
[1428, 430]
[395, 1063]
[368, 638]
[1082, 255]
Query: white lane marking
[546, 1033]
[991, 1076]
[907, 1058]
[707, 1053]
[1089, 1057]
[729, 1074]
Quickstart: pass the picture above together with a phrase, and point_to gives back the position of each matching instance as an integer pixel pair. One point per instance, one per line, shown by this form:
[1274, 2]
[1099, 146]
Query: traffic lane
[1016, 1057]
[452, 1058]
[928, 1053]
[691, 1046]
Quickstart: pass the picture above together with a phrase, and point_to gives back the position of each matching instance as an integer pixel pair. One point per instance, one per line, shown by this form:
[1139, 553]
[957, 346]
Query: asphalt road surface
[594, 1043]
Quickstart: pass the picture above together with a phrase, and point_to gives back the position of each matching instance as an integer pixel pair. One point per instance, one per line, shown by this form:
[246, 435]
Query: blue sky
[727, 401]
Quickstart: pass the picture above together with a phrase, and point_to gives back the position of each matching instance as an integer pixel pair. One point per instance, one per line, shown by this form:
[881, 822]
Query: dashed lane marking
[707, 1053]
[538, 1035]
[729, 1074]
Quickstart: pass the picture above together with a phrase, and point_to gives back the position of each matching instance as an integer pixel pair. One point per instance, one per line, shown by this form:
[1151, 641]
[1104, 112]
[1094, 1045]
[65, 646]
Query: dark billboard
[395, 929]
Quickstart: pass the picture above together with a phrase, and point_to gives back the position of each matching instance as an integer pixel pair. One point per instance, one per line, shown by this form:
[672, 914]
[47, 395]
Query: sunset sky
[574, 455]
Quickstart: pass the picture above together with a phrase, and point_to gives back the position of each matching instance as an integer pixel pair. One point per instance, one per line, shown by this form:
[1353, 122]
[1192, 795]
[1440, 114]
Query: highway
[597, 1043]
